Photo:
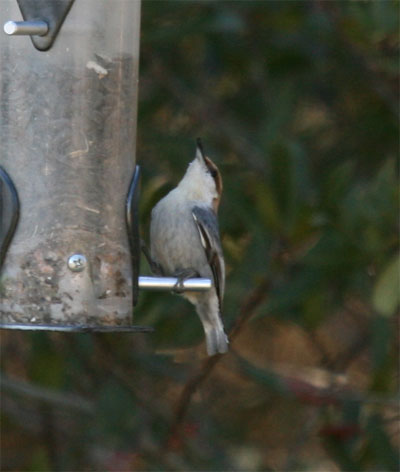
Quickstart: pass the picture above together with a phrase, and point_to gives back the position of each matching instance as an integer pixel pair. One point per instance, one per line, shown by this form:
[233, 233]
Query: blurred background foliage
[297, 103]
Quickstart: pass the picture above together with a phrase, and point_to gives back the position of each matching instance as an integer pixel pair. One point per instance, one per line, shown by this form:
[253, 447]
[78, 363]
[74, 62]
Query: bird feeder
[69, 183]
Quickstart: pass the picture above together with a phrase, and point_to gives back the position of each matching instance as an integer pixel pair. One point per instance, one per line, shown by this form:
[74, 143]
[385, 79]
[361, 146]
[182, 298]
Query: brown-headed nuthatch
[185, 242]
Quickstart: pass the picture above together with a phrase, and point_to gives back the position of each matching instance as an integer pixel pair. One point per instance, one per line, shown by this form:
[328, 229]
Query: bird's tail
[216, 339]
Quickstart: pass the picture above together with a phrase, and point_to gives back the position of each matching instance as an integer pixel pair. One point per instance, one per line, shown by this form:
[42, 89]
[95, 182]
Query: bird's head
[202, 179]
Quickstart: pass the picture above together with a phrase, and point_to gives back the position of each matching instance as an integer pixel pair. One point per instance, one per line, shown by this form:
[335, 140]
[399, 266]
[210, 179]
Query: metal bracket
[9, 212]
[132, 223]
[43, 20]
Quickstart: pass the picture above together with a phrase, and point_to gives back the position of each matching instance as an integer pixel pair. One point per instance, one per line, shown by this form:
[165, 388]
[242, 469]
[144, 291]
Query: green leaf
[39, 461]
[386, 296]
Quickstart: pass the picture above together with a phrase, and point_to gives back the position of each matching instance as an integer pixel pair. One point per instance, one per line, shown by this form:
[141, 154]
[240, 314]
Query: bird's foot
[154, 266]
[183, 275]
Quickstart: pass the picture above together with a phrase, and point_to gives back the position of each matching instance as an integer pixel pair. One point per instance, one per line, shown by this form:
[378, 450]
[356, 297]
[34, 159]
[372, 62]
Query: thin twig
[247, 310]
[46, 395]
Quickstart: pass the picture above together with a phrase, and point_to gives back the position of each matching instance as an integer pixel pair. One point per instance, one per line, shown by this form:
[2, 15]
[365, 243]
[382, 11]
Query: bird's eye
[213, 173]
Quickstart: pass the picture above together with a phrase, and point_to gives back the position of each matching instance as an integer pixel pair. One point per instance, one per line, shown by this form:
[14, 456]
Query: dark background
[296, 102]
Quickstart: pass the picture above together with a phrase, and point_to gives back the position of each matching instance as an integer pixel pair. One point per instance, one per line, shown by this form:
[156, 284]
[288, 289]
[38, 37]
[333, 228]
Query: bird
[185, 243]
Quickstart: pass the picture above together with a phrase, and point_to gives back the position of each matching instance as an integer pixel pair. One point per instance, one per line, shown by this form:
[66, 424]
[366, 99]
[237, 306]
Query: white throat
[198, 184]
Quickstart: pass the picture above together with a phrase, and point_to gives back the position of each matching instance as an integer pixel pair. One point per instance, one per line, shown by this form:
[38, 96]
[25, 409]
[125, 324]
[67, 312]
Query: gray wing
[207, 225]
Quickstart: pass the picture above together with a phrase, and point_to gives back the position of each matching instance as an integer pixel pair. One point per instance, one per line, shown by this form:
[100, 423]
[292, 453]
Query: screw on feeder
[27, 28]
[77, 262]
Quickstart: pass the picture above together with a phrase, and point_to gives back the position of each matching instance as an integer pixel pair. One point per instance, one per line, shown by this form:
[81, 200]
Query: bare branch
[247, 310]
[54, 397]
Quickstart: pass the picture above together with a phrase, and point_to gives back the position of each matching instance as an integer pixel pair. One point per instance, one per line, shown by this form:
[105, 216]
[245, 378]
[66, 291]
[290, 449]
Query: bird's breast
[175, 241]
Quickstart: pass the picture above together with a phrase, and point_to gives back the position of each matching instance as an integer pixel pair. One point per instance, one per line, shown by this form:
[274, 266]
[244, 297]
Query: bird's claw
[179, 287]
[182, 276]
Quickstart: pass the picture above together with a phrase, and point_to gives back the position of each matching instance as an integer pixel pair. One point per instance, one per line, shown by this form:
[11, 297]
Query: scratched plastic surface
[67, 134]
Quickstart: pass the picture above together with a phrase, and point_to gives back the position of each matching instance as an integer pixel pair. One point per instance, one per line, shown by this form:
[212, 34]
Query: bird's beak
[200, 151]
